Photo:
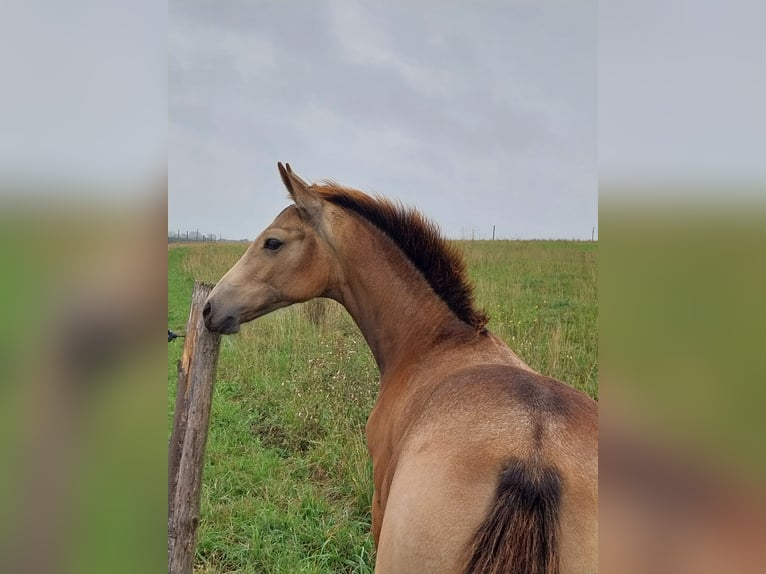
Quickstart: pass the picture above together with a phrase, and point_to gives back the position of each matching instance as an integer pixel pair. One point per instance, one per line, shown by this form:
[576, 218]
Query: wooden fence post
[186, 451]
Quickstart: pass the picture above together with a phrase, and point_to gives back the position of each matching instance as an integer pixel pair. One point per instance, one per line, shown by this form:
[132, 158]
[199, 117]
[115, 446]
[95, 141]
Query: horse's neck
[398, 313]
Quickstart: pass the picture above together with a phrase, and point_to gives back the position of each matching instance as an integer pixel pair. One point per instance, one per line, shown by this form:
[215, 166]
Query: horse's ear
[308, 203]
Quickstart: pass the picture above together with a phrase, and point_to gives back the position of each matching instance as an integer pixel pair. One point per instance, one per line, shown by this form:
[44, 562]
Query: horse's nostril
[206, 310]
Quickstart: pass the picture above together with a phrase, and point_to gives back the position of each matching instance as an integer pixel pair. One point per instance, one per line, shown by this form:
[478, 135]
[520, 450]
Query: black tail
[520, 534]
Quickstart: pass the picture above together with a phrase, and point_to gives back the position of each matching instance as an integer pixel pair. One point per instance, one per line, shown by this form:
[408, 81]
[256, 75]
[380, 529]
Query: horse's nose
[206, 310]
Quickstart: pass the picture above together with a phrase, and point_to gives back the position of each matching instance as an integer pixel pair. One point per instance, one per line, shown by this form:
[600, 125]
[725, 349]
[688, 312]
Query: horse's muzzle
[226, 325]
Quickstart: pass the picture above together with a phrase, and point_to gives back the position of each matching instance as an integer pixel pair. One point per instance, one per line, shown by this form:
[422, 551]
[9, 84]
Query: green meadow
[287, 482]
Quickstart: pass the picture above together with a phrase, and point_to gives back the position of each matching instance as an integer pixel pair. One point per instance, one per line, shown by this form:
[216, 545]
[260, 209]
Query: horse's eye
[272, 244]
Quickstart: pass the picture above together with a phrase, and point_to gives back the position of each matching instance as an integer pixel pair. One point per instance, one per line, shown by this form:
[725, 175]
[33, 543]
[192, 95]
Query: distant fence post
[186, 451]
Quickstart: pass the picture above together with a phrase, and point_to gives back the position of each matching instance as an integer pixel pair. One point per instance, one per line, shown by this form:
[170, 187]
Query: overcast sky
[478, 114]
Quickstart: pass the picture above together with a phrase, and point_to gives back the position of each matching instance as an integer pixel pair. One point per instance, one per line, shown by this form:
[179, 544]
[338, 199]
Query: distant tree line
[195, 236]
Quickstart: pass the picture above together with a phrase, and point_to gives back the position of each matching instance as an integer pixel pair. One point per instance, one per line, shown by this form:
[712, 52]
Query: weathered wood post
[186, 452]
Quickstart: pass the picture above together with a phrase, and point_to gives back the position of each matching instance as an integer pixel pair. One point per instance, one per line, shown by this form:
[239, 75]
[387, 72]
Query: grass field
[288, 485]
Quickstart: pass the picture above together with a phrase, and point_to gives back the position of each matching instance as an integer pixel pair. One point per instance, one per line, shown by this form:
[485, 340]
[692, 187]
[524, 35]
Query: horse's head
[289, 262]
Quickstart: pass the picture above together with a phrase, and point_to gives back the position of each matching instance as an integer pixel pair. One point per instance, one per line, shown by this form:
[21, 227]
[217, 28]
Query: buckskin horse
[480, 464]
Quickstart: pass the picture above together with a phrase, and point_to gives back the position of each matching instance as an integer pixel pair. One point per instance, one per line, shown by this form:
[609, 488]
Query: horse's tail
[521, 533]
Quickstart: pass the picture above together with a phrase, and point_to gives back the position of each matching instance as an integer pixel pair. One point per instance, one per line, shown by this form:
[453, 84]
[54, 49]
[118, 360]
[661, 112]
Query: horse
[480, 464]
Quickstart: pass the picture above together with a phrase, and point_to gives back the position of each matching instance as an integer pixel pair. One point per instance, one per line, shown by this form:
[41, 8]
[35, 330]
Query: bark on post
[186, 452]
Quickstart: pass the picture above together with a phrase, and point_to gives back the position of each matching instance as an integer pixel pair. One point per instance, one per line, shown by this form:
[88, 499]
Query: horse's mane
[440, 262]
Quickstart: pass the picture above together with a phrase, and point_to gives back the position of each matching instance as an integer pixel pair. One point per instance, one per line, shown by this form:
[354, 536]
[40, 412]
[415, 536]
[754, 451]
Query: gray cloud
[477, 114]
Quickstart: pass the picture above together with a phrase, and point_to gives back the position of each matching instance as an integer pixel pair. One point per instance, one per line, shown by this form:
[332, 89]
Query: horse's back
[507, 412]
[478, 421]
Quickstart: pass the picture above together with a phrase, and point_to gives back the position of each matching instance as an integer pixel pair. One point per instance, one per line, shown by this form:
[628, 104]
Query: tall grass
[287, 484]
[542, 300]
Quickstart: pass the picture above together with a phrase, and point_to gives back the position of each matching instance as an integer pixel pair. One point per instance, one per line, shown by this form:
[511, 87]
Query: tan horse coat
[480, 464]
